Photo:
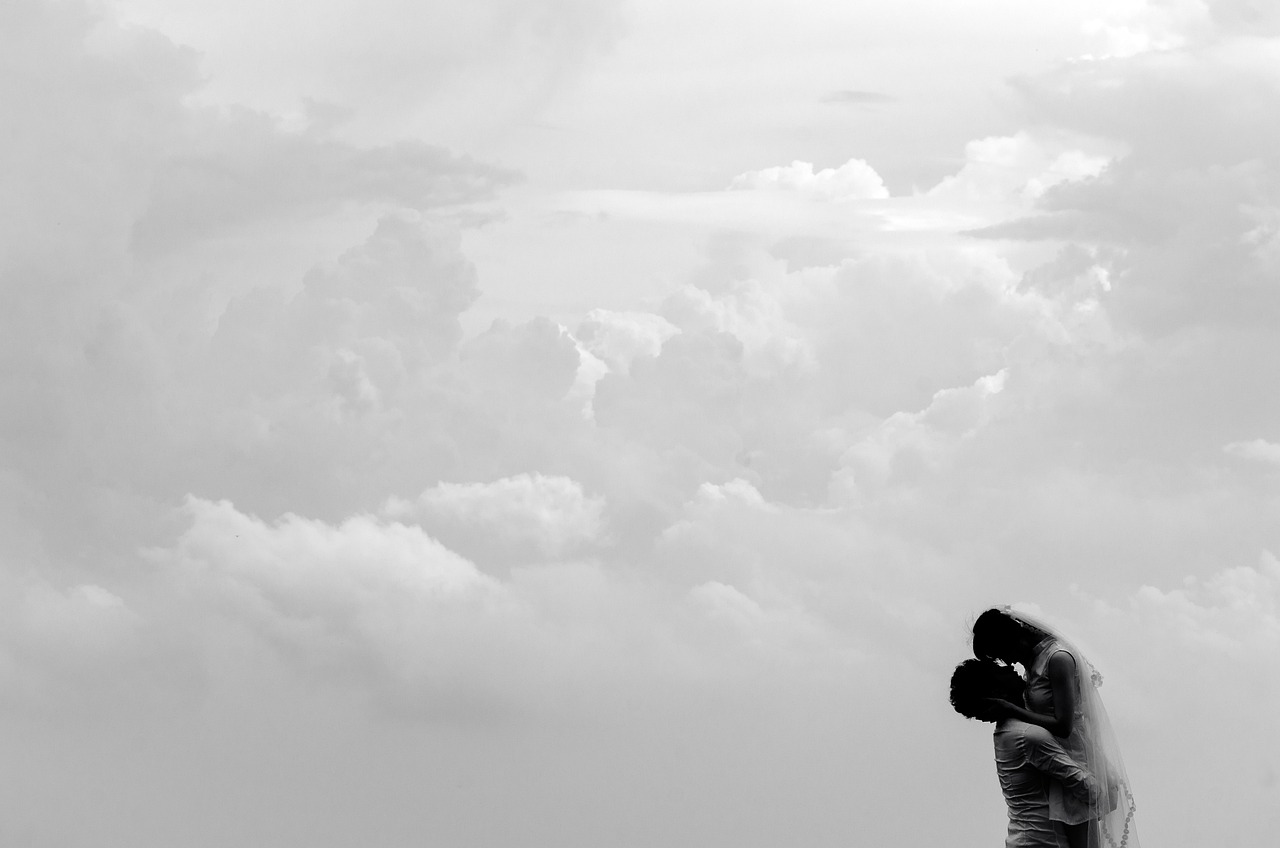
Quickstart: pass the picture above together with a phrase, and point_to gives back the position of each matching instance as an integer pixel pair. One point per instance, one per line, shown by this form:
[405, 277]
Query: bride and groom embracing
[1056, 756]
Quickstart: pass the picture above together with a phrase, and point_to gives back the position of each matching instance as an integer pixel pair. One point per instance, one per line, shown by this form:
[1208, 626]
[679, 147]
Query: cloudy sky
[594, 423]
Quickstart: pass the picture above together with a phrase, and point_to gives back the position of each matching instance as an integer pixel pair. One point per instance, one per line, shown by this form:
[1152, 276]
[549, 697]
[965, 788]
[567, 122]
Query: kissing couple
[1056, 757]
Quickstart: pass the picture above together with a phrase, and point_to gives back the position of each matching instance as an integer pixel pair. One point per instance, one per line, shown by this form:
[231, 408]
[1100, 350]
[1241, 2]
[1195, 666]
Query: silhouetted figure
[1062, 697]
[1028, 758]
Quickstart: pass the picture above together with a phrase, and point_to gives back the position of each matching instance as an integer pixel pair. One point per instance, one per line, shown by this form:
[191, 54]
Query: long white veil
[1116, 807]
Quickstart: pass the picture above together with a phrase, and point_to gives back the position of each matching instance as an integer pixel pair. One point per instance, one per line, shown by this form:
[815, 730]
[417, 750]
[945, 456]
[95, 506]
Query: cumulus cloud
[853, 180]
[236, 167]
[618, 338]
[1176, 226]
[1216, 629]
[1233, 612]
[751, 313]
[1258, 450]
[393, 302]
[384, 605]
[392, 548]
[906, 444]
[109, 342]
[521, 519]
[1016, 168]
[82, 632]
[380, 63]
[356, 597]
[538, 359]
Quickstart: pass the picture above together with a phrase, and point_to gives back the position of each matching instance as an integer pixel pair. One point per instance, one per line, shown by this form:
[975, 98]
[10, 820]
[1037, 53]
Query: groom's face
[1011, 687]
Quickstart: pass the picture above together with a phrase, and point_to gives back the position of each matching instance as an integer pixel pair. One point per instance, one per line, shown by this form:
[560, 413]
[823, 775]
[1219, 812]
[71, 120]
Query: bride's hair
[973, 681]
[996, 633]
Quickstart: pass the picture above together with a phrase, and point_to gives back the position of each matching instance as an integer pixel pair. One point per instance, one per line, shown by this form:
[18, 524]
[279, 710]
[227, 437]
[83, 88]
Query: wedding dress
[1092, 743]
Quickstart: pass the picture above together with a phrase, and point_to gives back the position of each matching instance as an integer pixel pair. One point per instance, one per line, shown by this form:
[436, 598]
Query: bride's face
[1016, 650]
[1009, 654]
[1027, 649]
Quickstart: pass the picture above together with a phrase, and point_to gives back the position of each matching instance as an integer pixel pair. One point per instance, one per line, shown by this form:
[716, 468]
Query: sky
[589, 423]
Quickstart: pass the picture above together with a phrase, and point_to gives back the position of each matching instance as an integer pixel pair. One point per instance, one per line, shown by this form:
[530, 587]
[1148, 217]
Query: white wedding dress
[1092, 743]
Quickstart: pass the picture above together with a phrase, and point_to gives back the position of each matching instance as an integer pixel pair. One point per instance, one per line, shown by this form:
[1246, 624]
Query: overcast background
[594, 423]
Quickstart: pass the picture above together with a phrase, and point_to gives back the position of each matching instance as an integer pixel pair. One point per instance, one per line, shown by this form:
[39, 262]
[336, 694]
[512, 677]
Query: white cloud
[380, 63]
[1258, 450]
[775, 214]
[231, 169]
[85, 618]
[537, 359]
[853, 180]
[752, 312]
[363, 598]
[738, 489]
[521, 519]
[409, 560]
[725, 602]
[906, 444]
[1124, 41]
[1199, 639]
[81, 650]
[618, 338]
[1012, 171]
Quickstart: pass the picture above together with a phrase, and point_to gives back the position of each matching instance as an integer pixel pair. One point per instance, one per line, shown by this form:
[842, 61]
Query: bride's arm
[1062, 676]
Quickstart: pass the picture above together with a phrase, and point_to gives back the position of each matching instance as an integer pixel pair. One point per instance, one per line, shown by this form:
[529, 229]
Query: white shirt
[1027, 758]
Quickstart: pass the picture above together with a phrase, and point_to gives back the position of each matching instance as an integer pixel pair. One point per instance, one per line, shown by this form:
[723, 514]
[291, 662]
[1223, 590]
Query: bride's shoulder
[1046, 648]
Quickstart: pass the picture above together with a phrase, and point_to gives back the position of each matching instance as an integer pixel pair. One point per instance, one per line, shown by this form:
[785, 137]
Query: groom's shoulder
[1036, 737]
[1036, 732]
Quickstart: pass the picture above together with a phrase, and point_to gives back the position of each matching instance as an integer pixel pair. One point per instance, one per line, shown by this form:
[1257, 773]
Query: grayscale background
[596, 423]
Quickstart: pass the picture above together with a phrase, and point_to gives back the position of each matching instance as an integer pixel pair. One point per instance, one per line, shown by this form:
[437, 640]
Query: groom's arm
[1044, 752]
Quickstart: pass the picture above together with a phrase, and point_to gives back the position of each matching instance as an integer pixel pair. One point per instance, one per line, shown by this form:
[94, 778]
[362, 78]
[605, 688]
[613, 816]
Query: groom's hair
[974, 680]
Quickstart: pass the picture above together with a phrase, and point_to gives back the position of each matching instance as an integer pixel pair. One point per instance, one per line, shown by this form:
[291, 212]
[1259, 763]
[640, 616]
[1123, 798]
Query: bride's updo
[999, 636]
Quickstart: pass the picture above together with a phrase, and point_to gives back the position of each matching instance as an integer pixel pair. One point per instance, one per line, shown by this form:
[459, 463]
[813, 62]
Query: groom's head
[974, 681]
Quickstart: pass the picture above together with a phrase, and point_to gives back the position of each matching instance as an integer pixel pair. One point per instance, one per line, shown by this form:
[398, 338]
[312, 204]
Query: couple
[1056, 757]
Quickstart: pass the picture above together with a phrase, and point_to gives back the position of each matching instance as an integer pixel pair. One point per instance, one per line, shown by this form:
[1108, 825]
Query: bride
[1062, 697]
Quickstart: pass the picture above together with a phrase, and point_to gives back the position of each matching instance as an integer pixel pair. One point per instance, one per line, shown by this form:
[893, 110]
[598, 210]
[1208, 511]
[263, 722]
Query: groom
[1027, 756]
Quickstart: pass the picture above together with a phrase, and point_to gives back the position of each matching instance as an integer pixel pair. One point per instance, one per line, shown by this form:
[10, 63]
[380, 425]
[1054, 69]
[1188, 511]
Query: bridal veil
[1115, 807]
